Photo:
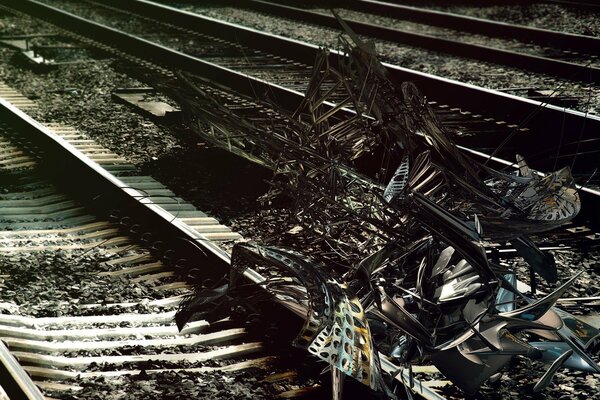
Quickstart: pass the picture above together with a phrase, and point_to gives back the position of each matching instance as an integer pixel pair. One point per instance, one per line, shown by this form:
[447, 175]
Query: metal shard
[549, 374]
[537, 309]
[553, 350]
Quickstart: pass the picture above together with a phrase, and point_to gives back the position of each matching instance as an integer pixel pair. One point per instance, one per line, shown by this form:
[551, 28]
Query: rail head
[17, 384]
[478, 25]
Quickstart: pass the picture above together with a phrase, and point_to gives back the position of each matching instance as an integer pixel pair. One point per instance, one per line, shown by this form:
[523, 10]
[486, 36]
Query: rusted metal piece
[142, 100]
[58, 50]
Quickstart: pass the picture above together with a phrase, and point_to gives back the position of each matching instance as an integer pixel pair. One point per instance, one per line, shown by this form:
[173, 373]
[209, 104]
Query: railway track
[583, 5]
[242, 59]
[574, 59]
[587, 45]
[531, 85]
[176, 208]
[105, 285]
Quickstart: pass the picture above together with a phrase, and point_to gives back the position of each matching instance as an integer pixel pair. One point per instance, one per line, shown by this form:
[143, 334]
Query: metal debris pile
[425, 290]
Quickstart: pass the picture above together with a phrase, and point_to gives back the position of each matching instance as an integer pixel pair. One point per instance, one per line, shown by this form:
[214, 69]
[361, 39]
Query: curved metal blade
[549, 374]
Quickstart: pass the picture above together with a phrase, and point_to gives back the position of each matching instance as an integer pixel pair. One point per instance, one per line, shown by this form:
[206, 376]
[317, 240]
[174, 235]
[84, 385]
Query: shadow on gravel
[215, 181]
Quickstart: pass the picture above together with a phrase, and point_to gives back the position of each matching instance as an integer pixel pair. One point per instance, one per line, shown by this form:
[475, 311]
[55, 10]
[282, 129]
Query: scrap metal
[419, 287]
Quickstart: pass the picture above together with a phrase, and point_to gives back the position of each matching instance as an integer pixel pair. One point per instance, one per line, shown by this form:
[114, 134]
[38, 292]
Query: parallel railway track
[482, 110]
[584, 5]
[560, 40]
[94, 246]
[242, 59]
[151, 202]
[567, 65]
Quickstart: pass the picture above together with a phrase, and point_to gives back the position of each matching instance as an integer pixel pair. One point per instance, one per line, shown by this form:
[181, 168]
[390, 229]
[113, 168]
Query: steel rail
[563, 40]
[83, 178]
[583, 5]
[94, 182]
[548, 120]
[15, 382]
[559, 68]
